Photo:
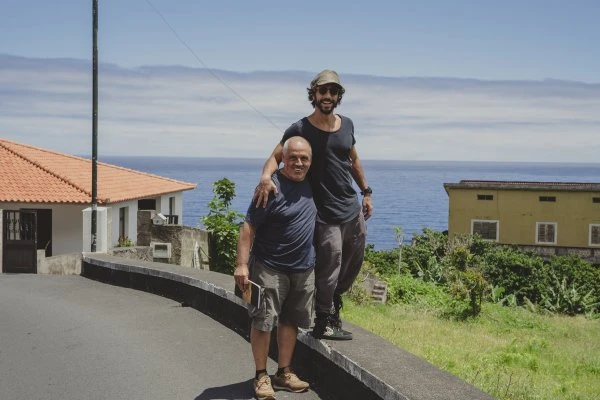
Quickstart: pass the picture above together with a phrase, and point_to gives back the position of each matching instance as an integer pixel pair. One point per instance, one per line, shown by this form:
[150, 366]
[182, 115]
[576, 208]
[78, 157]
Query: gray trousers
[340, 253]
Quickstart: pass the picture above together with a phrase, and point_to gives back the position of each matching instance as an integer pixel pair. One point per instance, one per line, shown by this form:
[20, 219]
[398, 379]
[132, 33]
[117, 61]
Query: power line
[210, 71]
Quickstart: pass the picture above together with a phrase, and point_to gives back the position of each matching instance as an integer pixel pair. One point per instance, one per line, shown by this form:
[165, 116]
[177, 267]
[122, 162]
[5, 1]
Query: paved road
[70, 338]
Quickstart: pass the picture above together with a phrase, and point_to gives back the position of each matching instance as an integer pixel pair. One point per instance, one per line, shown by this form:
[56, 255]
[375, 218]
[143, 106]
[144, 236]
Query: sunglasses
[334, 90]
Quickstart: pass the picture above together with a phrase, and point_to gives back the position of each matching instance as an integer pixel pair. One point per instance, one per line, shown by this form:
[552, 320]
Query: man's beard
[324, 110]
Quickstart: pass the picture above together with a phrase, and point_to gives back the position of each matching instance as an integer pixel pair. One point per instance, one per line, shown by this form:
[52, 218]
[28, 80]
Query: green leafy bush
[562, 297]
[223, 223]
[383, 262]
[408, 290]
[518, 273]
[577, 273]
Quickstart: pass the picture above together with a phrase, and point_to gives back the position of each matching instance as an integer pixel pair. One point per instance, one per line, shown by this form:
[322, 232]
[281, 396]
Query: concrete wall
[518, 211]
[186, 244]
[64, 264]
[194, 244]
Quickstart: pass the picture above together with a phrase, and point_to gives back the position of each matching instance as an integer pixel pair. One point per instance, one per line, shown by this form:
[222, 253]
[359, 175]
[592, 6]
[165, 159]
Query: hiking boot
[263, 389]
[289, 381]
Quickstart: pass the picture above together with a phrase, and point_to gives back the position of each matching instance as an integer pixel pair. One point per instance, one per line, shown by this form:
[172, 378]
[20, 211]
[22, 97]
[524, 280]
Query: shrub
[518, 273]
[224, 225]
[562, 297]
[577, 272]
[469, 287]
[383, 262]
[408, 290]
[419, 255]
[124, 241]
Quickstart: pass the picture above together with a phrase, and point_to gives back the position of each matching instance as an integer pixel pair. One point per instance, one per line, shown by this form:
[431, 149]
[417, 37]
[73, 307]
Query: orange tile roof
[32, 175]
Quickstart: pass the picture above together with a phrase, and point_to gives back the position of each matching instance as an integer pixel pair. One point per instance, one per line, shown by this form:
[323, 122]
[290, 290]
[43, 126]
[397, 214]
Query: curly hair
[311, 95]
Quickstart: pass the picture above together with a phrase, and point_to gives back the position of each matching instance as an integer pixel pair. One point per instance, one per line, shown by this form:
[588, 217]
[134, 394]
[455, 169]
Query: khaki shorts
[288, 297]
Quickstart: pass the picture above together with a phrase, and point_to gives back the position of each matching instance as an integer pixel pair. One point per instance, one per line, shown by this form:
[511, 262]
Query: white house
[45, 200]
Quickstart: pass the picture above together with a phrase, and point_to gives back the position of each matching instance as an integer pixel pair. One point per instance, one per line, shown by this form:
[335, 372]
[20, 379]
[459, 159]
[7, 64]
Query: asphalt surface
[67, 337]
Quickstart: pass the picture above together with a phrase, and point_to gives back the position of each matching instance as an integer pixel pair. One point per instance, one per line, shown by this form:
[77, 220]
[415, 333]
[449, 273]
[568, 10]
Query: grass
[509, 353]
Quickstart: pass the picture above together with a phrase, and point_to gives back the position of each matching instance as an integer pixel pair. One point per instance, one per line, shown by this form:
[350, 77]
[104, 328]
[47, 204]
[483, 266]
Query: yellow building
[537, 214]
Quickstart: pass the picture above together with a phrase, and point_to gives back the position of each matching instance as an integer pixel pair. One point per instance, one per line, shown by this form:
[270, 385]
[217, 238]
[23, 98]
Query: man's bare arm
[244, 245]
[266, 185]
[358, 174]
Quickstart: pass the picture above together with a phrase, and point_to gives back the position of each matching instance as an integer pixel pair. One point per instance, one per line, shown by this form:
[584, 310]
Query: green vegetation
[507, 352]
[124, 241]
[224, 224]
[510, 323]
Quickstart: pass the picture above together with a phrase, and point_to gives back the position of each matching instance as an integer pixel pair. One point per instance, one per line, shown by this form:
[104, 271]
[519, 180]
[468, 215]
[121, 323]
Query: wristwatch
[367, 191]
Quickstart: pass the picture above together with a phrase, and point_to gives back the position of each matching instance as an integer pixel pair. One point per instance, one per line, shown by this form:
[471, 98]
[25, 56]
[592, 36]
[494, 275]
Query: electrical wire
[210, 71]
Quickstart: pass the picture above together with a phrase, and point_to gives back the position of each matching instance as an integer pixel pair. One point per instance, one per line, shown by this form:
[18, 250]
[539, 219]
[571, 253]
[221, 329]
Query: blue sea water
[409, 194]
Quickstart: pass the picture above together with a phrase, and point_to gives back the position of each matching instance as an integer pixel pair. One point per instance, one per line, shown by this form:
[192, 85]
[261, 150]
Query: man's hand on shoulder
[262, 190]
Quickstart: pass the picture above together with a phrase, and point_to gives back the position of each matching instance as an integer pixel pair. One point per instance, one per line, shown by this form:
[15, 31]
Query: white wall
[131, 223]
[67, 224]
[162, 205]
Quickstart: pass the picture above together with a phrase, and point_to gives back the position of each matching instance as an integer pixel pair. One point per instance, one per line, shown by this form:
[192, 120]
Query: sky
[425, 80]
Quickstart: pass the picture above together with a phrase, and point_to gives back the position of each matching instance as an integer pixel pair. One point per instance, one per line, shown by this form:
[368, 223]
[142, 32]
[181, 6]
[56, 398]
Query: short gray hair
[286, 144]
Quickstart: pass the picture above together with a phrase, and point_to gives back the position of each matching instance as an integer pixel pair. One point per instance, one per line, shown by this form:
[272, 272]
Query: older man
[282, 261]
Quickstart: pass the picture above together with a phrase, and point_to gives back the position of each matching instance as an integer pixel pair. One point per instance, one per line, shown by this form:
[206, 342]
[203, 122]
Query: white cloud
[188, 112]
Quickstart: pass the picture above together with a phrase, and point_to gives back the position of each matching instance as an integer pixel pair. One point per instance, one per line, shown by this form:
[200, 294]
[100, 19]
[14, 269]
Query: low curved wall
[367, 367]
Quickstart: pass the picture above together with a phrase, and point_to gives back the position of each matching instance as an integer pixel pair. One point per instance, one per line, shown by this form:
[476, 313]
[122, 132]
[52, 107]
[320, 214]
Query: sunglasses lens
[334, 90]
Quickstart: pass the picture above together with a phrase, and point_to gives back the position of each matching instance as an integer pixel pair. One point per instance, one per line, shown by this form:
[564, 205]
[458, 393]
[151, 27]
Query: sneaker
[289, 381]
[330, 329]
[263, 389]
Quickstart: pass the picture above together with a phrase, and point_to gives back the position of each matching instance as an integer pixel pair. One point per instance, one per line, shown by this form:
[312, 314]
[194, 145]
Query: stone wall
[189, 246]
[135, 253]
[144, 224]
[589, 254]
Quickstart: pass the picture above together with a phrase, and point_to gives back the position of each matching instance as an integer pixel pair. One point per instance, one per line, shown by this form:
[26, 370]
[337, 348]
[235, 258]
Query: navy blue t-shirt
[285, 228]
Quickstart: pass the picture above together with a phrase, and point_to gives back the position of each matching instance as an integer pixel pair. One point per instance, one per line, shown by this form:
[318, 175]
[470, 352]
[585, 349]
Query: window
[548, 198]
[147, 204]
[485, 197]
[595, 199]
[594, 234]
[486, 229]
[545, 233]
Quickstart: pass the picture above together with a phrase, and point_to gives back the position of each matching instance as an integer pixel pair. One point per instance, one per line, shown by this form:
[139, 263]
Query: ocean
[408, 194]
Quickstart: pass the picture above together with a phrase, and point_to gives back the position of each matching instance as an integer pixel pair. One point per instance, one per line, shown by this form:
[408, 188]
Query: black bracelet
[366, 191]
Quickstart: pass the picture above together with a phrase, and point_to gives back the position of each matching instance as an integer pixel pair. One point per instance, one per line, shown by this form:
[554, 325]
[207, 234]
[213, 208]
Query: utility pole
[94, 123]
